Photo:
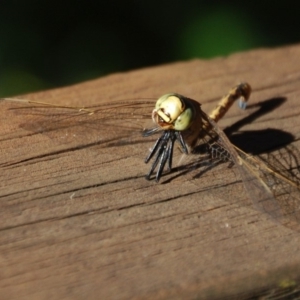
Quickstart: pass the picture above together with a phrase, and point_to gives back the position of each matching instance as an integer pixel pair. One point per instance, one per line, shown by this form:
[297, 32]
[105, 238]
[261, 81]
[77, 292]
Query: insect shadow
[259, 141]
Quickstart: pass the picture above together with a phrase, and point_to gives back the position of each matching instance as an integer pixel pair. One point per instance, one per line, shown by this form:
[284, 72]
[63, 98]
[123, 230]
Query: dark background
[45, 44]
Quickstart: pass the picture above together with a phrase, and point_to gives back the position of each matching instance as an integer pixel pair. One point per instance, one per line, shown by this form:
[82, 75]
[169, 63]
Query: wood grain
[80, 221]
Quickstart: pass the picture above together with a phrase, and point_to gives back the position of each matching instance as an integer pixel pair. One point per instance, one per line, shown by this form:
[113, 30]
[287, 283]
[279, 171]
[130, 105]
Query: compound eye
[184, 121]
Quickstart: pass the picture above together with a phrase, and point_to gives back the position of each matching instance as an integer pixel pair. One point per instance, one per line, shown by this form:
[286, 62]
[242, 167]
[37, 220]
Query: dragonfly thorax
[173, 112]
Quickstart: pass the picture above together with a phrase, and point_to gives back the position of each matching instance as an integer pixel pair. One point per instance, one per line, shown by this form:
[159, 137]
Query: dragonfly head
[172, 112]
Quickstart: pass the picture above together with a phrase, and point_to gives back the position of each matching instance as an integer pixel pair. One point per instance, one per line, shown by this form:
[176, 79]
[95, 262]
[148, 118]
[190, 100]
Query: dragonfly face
[173, 111]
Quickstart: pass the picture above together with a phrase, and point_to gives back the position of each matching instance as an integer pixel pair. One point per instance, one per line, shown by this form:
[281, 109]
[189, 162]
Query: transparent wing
[65, 128]
[279, 173]
[271, 183]
[107, 121]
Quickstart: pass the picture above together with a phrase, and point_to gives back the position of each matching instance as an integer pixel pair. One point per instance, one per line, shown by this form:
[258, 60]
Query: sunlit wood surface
[82, 223]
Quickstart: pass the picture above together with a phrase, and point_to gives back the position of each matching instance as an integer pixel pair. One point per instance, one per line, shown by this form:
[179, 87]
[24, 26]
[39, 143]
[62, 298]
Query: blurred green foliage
[45, 44]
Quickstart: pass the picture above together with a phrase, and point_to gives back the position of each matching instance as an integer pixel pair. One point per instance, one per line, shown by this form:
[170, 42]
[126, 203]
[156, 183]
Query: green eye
[184, 121]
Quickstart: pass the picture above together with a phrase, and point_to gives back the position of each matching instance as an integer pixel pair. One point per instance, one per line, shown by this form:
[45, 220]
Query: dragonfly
[182, 127]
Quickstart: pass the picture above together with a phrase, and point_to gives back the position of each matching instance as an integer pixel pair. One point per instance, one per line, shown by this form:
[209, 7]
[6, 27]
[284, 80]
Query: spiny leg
[166, 155]
[163, 148]
[240, 92]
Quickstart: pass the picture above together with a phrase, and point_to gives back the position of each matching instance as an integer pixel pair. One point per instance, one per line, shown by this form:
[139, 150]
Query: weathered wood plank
[80, 221]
